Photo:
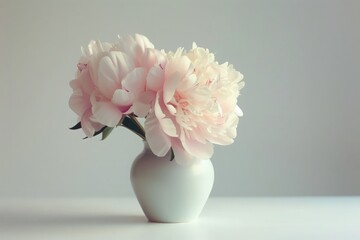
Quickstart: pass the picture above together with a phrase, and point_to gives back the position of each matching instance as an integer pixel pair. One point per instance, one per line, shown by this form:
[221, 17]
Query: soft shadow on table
[36, 220]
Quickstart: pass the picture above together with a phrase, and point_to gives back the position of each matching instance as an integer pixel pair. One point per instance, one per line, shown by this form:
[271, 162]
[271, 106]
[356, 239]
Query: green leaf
[172, 154]
[132, 125]
[106, 132]
[100, 131]
[77, 126]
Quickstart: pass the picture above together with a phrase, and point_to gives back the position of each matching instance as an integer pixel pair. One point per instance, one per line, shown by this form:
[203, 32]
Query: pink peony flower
[121, 80]
[195, 104]
[111, 82]
[84, 87]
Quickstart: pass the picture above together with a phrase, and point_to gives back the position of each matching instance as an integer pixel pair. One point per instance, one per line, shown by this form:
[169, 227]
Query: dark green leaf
[172, 154]
[77, 126]
[106, 132]
[133, 126]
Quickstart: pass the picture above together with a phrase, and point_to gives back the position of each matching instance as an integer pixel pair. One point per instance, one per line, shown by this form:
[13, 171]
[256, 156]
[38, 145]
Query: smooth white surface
[223, 218]
[161, 184]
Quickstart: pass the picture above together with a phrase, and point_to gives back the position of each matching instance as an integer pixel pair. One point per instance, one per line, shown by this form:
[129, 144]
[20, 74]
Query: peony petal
[168, 127]
[122, 97]
[143, 104]
[223, 139]
[75, 84]
[135, 81]
[86, 82]
[151, 57]
[87, 128]
[181, 156]
[167, 124]
[106, 113]
[197, 149]
[135, 47]
[126, 44]
[87, 125]
[141, 109]
[158, 141]
[238, 111]
[107, 77]
[171, 109]
[194, 45]
[79, 104]
[189, 82]
[157, 108]
[112, 69]
[175, 70]
[155, 78]
[170, 86]
[181, 64]
[143, 42]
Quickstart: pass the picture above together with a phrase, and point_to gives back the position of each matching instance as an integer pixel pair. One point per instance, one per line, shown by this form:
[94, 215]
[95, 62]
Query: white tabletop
[222, 218]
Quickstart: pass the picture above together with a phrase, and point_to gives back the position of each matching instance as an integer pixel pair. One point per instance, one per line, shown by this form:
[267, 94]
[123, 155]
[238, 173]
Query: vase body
[168, 191]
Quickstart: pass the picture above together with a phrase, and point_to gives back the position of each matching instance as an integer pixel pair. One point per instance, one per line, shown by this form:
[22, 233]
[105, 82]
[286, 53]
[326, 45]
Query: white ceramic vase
[168, 191]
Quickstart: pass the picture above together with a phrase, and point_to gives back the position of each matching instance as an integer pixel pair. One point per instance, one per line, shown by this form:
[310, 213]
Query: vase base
[171, 221]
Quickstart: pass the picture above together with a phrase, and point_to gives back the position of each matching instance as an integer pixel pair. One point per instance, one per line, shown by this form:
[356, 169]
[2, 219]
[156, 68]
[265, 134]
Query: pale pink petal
[106, 113]
[223, 139]
[238, 111]
[87, 128]
[197, 149]
[140, 109]
[134, 81]
[167, 124]
[155, 78]
[157, 108]
[143, 41]
[86, 82]
[123, 62]
[87, 125]
[108, 75]
[112, 69]
[175, 70]
[75, 84]
[136, 48]
[171, 109]
[96, 47]
[241, 85]
[189, 82]
[122, 97]
[143, 104]
[78, 104]
[158, 141]
[125, 41]
[180, 155]
[232, 124]
[168, 127]
[182, 65]
[198, 135]
[170, 85]
[151, 57]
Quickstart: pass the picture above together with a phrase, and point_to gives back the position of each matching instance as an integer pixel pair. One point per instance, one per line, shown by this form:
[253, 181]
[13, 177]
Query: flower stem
[131, 123]
[136, 121]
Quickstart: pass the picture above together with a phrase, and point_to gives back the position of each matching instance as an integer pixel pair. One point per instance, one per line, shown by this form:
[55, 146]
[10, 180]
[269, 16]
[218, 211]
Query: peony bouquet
[188, 100]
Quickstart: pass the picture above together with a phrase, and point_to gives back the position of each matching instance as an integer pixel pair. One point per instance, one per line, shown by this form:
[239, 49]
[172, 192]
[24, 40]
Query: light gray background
[300, 134]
